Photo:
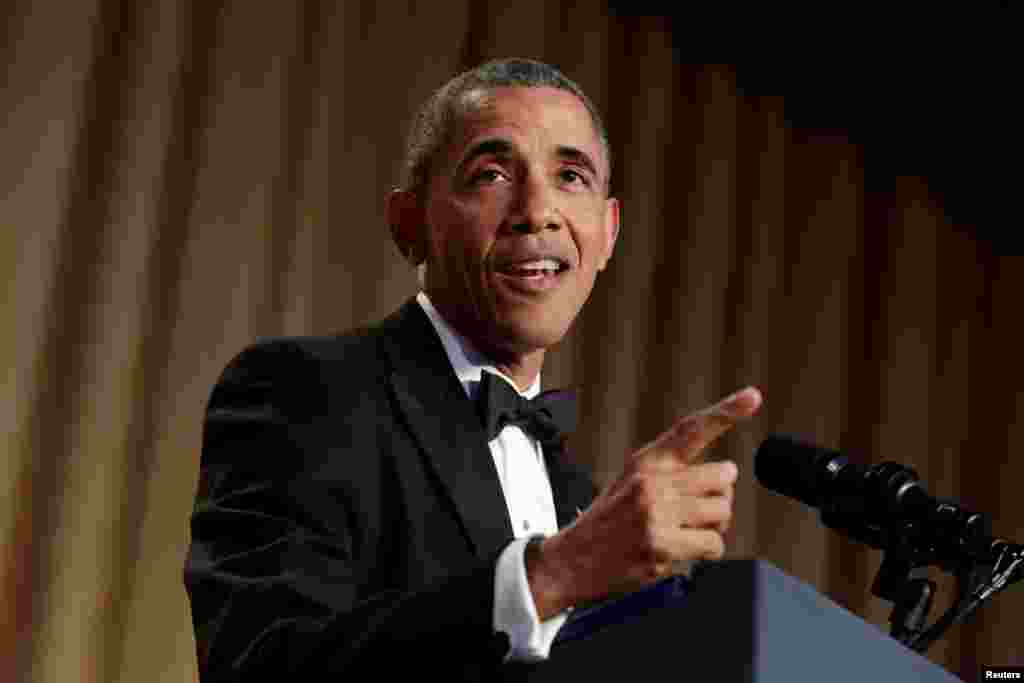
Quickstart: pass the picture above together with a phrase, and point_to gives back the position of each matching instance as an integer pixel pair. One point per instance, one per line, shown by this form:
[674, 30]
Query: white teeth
[535, 268]
[540, 264]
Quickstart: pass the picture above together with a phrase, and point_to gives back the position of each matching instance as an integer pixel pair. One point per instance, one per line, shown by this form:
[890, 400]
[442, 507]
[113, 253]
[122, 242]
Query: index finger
[693, 433]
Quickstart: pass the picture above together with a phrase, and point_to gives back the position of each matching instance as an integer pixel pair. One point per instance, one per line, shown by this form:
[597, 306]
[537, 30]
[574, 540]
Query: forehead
[541, 118]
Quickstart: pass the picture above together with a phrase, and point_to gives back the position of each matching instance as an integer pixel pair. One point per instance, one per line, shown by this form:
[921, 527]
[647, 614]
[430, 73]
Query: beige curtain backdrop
[180, 177]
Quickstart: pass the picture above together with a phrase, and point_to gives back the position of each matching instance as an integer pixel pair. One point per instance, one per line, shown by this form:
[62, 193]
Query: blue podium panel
[739, 620]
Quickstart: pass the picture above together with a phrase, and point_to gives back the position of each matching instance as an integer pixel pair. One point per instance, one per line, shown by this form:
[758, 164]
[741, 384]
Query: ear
[611, 227]
[404, 214]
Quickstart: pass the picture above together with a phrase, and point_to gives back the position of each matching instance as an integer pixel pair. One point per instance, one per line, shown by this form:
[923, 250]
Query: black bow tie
[546, 417]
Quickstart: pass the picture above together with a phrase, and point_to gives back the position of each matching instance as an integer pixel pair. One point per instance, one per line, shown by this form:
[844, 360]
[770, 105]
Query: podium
[741, 620]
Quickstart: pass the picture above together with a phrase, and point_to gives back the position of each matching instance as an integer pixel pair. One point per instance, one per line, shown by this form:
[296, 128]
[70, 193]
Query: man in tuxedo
[398, 495]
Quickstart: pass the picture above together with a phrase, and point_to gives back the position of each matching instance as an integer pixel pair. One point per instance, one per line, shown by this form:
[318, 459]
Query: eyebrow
[500, 147]
[578, 156]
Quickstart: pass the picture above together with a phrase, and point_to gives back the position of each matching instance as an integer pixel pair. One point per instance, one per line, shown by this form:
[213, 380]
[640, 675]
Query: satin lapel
[442, 419]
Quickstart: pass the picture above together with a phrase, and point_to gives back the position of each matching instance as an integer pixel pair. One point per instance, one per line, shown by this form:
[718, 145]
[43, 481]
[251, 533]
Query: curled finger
[709, 478]
[707, 512]
[700, 544]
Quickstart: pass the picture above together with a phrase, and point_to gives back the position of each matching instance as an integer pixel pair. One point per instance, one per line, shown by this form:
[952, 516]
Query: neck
[522, 367]
[524, 370]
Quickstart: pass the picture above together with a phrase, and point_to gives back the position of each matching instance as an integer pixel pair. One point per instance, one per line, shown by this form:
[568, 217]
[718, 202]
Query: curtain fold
[180, 178]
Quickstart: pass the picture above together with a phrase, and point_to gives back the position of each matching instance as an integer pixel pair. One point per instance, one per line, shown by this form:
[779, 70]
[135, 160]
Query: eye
[573, 177]
[487, 176]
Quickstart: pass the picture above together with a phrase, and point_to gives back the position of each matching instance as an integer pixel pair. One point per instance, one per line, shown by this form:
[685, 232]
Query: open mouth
[536, 269]
[536, 273]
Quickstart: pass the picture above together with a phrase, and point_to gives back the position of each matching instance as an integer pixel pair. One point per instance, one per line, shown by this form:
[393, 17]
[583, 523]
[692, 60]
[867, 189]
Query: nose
[535, 208]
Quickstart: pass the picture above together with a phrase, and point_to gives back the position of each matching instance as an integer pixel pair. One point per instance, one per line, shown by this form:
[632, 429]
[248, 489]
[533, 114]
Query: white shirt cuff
[514, 611]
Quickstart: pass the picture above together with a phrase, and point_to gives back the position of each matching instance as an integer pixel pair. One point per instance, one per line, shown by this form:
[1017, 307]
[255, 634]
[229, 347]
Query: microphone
[887, 507]
[883, 505]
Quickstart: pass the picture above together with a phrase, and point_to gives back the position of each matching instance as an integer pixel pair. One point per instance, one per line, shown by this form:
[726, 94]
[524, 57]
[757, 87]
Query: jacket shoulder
[301, 366]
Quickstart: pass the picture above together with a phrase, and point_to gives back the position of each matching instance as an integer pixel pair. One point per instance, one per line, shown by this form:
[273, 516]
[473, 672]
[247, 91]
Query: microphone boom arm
[887, 507]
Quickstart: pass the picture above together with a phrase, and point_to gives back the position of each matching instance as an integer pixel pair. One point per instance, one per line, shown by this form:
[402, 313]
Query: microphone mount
[886, 506]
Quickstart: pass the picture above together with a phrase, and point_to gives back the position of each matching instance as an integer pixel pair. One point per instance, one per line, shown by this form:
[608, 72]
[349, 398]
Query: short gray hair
[433, 126]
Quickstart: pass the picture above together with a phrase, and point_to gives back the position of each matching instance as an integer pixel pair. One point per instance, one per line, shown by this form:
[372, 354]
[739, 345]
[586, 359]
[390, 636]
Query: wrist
[546, 585]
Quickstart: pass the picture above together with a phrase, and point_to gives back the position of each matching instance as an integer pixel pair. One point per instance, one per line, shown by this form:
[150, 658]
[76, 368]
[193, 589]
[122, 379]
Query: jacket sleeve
[280, 571]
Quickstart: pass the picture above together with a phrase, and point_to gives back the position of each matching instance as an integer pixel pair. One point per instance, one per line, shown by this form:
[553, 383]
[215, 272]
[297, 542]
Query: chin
[533, 333]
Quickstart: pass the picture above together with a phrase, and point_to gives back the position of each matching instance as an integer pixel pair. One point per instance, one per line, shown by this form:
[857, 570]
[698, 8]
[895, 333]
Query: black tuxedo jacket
[349, 516]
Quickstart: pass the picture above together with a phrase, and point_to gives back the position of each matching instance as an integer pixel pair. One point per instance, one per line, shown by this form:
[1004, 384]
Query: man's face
[517, 218]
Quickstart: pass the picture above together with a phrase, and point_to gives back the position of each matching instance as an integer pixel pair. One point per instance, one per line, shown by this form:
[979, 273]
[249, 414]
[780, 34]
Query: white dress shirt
[519, 462]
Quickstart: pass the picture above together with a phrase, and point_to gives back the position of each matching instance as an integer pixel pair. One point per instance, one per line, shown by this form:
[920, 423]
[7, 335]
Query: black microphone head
[796, 469]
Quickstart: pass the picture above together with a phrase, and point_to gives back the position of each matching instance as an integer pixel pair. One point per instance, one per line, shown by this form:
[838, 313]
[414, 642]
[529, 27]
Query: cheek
[461, 239]
[591, 239]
